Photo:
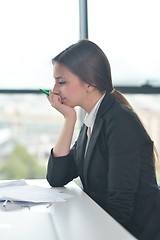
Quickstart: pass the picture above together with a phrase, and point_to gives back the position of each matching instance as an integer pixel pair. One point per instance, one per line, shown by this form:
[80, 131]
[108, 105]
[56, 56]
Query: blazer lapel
[104, 107]
[91, 145]
[81, 144]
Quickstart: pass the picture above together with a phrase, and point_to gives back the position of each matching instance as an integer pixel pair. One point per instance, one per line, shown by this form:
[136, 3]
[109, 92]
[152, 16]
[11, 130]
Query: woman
[116, 162]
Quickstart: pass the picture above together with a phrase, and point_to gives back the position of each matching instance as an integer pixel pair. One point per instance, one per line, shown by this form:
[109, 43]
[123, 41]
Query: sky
[34, 31]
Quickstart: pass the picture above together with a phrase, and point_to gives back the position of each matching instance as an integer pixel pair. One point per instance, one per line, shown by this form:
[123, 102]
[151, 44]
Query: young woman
[116, 161]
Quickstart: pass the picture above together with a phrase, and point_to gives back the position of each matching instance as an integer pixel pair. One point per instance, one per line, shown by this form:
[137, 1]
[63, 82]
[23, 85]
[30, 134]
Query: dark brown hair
[86, 60]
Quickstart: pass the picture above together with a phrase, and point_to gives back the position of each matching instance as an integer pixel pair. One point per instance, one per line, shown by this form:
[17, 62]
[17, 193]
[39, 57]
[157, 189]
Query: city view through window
[29, 127]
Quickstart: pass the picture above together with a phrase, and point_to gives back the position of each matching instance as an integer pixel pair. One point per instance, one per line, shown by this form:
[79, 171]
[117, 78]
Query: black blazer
[117, 171]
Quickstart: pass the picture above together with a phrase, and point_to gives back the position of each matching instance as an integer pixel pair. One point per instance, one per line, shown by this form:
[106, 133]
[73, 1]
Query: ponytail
[119, 96]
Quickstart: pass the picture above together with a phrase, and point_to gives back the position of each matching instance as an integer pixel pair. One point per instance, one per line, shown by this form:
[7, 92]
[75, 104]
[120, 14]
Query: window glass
[128, 32]
[29, 128]
[32, 33]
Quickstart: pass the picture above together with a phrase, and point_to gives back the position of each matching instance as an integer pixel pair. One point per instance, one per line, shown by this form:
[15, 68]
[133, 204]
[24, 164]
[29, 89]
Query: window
[128, 32]
[32, 33]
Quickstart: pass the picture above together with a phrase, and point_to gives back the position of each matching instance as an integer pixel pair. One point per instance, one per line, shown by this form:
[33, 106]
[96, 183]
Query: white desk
[79, 218]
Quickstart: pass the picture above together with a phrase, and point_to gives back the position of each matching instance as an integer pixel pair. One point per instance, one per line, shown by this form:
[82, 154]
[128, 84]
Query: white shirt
[90, 119]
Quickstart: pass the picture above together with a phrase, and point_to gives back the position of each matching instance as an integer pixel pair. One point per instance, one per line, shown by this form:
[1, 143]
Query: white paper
[12, 183]
[21, 191]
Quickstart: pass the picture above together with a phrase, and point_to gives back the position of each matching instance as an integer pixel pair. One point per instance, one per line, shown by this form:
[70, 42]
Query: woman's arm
[63, 144]
[61, 167]
[61, 170]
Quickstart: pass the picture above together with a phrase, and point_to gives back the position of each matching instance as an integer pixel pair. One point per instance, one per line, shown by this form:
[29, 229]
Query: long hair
[86, 60]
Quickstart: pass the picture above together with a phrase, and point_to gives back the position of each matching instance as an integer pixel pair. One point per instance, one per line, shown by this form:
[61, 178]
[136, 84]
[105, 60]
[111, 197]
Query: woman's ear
[90, 87]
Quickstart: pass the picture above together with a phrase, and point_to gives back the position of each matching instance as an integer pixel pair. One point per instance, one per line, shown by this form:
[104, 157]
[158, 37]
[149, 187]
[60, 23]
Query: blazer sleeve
[61, 170]
[126, 139]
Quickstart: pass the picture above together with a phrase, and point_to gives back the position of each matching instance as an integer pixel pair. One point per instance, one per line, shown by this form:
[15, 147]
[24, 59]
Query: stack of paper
[20, 191]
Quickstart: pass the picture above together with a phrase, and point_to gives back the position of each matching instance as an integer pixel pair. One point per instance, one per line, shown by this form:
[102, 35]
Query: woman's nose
[56, 89]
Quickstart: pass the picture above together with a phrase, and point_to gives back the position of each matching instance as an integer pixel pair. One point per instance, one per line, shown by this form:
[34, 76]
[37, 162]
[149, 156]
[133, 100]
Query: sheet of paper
[21, 191]
[12, 183]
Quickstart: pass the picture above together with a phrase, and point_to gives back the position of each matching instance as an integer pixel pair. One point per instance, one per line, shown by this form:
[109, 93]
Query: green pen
[44, 91]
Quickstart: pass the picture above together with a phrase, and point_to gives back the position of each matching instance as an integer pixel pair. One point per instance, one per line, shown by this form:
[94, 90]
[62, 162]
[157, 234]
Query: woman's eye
[62, 81]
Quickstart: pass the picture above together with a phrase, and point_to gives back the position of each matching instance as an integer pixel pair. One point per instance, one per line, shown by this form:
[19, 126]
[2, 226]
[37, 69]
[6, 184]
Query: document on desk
[19, 190]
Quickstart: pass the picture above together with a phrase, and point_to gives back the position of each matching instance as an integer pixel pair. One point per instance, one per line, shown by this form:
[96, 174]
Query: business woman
[115, 162]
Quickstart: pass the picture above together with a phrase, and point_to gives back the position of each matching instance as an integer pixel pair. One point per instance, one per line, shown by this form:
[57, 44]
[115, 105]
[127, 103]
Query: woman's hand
[56, 102]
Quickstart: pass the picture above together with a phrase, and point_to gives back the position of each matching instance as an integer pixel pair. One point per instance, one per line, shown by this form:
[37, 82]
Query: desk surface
[80, 218]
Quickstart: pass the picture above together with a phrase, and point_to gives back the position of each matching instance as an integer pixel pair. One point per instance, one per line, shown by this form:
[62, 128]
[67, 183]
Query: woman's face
[69, 87]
